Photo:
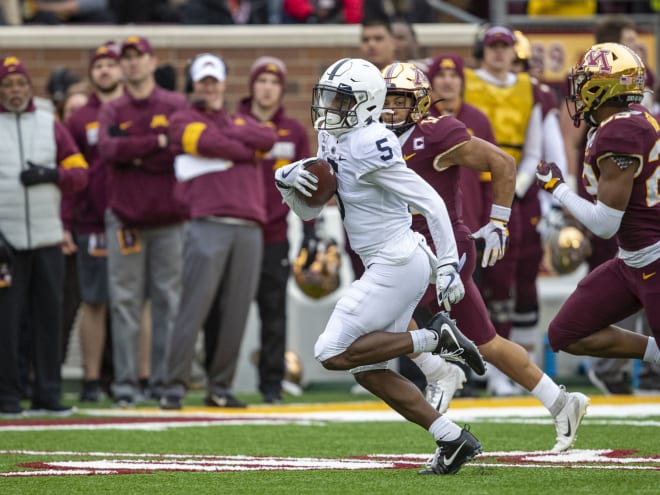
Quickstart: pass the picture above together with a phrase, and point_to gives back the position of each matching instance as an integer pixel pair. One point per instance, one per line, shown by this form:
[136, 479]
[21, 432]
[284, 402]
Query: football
[327, 184]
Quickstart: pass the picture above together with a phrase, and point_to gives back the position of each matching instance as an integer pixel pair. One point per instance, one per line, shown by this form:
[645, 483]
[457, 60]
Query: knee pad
[371, 367]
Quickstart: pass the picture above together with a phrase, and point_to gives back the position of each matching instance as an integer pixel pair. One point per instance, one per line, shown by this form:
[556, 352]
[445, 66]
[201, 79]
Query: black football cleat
[450, 456]
[453, 345]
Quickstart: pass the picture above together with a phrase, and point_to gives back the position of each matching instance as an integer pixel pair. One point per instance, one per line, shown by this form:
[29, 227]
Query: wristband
[501, 213]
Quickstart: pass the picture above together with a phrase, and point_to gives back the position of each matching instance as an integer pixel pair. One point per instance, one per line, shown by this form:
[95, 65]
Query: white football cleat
[440, 392]
[568, 420]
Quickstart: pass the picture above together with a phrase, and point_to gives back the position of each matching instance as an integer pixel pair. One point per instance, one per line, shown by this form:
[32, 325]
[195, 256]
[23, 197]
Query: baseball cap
[206, 65]
[141, 44]
[446, 61]
[12, 65]
[271, 65]
[499, 33]
[109, 49]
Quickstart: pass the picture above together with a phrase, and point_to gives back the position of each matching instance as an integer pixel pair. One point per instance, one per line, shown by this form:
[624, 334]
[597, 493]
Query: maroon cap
[12, 65]
[447, 61]
[109, 49]
[271, 65]
[499, 33]
[142, 45]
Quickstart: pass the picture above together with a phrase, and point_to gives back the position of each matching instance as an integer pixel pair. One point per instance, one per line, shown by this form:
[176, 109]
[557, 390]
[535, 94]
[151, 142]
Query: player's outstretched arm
[484, 156]
[614, 187]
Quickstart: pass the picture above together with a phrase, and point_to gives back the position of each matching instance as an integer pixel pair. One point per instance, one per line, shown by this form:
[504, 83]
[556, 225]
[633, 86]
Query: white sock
[444, 430]
[652, 353]
[424, 340]
[546, 391]
[432, 365]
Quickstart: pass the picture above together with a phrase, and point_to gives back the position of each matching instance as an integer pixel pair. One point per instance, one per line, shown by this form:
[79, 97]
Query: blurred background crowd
[15, 12]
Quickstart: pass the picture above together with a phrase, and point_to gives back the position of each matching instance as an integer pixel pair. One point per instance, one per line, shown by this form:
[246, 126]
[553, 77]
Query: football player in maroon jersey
[622, 172]
[433, 146]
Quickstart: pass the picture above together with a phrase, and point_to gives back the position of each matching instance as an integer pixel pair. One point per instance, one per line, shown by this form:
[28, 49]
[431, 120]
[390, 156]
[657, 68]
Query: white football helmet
[349, 94]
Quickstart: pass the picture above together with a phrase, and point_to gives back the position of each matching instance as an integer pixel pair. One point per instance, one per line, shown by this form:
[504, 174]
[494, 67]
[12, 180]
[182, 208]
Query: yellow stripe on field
[376, 406]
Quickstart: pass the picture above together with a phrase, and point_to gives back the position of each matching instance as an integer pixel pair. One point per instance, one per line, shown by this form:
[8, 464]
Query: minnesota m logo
[598, 59]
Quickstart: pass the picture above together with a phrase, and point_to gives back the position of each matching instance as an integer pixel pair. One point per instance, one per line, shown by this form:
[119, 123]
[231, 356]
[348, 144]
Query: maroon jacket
[237, 192]
[83, 212]
[292, 145]
[141, 174]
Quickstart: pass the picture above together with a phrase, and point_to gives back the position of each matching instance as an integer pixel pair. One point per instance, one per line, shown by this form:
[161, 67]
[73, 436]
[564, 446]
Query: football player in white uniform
[374, 188]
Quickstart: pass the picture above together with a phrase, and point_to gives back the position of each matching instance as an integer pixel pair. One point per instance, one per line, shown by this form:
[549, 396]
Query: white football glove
[448, 285]
[495, 235]
[295, 175]
[552, 221]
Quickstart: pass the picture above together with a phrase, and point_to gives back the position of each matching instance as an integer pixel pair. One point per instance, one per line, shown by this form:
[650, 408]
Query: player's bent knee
[556, 338]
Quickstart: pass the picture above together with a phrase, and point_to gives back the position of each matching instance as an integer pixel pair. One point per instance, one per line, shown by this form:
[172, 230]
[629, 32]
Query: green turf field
[319, 444]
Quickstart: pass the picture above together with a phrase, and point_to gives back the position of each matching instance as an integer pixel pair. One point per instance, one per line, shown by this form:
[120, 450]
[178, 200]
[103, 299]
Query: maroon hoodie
[237, 191]
[141, 174]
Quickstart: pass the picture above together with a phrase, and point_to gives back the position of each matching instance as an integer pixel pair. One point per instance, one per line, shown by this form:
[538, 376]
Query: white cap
[206, 65]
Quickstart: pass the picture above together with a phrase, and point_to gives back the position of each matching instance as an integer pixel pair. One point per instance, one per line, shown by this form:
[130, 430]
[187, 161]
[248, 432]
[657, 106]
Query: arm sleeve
[423, 198]
[598, 218]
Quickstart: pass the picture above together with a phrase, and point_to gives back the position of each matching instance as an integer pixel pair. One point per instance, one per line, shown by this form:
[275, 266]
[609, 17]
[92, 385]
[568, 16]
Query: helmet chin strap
[318, 122]
[589, 119]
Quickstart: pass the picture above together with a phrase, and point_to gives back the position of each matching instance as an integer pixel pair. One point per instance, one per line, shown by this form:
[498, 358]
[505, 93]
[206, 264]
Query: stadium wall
[306, 49]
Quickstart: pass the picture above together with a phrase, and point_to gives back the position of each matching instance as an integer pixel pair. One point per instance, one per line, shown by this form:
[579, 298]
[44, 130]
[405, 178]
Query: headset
[478, 45]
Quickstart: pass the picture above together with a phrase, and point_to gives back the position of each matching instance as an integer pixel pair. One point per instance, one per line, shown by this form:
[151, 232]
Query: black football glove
[38, 174]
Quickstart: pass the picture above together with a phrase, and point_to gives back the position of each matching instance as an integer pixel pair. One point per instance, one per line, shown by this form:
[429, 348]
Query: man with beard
[83, 214]
[144, 219]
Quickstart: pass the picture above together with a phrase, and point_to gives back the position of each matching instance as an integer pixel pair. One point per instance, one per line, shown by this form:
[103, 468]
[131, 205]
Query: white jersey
[374, 191]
